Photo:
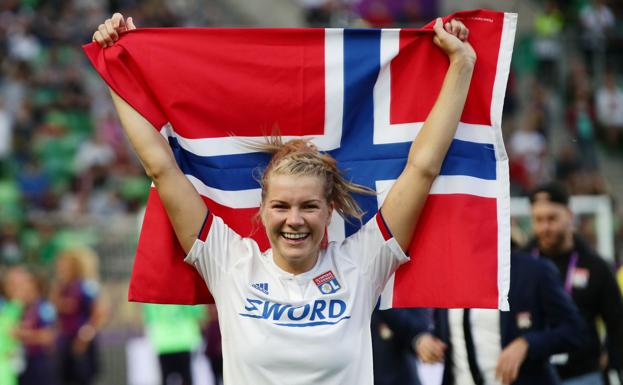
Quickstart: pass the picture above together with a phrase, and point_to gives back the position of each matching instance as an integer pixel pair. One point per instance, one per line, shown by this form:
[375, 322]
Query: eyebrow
[273, 201]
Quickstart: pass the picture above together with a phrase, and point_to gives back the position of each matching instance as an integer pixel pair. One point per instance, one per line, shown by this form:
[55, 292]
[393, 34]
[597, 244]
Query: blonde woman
[299, 313]
[76, 295]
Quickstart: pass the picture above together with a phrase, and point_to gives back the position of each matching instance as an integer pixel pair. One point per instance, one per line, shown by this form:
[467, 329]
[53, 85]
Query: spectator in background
[527, 151]
[548, 25]
[15, 85]
[394, 334]
[377, 13]
[487, 346]
[6, 137]
[317, 13]
[609, 105]
[34, 184]
[10, 251]
[35, 331]
[578, 79]
[11, 361]
[597, 20]
[587, 277]
[580, 118]
[568, 163]
[75, 293]
[539, 108]
[175, 333]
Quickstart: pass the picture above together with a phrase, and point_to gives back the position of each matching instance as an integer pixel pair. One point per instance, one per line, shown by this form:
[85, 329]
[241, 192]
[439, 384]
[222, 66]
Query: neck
[297, 266]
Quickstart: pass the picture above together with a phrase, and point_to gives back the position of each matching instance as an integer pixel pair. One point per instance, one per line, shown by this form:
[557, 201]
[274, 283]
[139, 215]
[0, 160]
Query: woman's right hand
[108, 32]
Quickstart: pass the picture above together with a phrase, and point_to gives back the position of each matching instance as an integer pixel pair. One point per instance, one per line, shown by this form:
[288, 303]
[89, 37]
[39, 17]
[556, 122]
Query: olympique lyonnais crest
[327, 283]
[361, 95]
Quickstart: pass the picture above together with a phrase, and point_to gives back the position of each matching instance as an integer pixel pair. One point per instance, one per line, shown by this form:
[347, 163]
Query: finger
[130, 23]
[441, 345]
[437, 350]
[448, 27]
[105, 36]
[111, 30]
[437, 41]
[122, 26]
[438, 26]
[505, 376]
[498, 370]
[117, 20]
[513, 373]
[462, 31]
[97, 37]
[455, 27]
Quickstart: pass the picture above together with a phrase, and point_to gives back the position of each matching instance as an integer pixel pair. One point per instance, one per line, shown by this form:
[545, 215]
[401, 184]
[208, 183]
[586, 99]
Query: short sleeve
[375, 250]
[217, 250]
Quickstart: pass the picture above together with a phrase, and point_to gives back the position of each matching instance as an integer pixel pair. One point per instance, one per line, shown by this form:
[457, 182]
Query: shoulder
[589, 258]
[540, 272]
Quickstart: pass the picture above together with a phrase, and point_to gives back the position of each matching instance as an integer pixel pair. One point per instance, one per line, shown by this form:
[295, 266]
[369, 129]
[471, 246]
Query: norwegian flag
[360, 94]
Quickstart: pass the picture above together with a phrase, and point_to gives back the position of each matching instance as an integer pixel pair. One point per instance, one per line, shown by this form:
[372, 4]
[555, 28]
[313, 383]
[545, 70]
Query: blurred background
[68, 180]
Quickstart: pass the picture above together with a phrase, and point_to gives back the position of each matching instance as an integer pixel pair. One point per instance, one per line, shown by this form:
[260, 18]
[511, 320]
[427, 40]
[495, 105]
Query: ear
[570, 216]
[330, 208]
[261, 214]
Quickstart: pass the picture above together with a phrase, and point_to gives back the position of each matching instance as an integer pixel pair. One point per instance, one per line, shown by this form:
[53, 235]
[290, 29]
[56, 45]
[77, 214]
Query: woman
[299, 313]
[75, 292]
[36, 329]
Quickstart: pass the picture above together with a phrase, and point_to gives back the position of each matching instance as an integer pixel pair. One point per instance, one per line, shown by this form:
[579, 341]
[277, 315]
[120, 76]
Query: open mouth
[295, 236]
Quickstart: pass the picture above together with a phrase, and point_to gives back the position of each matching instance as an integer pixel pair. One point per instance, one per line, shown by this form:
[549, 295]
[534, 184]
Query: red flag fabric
[361, 95]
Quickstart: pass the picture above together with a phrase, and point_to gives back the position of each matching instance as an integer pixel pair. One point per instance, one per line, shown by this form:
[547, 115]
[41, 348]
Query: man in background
[587, 277]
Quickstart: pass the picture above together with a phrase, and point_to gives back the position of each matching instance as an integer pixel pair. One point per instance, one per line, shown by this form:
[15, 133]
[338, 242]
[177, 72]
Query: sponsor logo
[262, 286]
[327, 283]
[316, 313]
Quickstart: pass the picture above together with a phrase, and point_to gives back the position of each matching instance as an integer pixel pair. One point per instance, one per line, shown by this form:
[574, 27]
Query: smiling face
[295, 212]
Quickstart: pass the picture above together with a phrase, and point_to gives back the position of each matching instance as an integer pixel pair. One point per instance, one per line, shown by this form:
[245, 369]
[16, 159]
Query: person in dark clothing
[35, 330]
[508, 347]
[394, 332]
[588, 279]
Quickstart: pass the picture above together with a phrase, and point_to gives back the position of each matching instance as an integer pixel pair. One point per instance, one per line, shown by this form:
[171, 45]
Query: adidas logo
[263, 287]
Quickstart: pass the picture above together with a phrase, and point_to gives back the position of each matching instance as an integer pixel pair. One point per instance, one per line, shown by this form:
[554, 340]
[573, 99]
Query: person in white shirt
[299, 313]
[609, 105]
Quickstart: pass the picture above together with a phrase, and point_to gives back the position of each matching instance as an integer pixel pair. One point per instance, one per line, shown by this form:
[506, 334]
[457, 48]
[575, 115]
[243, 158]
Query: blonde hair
[300, 157]
[83, 261]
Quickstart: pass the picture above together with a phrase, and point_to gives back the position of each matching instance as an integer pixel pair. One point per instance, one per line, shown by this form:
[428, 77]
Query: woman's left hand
[451, 37]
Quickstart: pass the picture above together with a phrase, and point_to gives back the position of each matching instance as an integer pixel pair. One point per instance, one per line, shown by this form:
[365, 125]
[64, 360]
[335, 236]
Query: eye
[310, 206]
[279, 206]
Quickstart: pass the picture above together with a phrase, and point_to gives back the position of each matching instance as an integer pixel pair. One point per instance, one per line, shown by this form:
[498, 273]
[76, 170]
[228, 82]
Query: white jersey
[310, 328]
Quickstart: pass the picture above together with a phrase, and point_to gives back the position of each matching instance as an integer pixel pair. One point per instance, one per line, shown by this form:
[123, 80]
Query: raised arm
[185, 208]
[407, 196]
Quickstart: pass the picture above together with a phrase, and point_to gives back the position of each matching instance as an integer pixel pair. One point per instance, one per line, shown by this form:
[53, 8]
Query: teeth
[294, 235]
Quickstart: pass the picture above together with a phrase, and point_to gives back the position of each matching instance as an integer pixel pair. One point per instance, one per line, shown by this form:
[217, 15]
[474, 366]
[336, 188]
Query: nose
[294, 219]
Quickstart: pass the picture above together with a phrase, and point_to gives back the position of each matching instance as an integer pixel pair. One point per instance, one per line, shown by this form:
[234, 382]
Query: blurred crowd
[63, 155]
[568, 126]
